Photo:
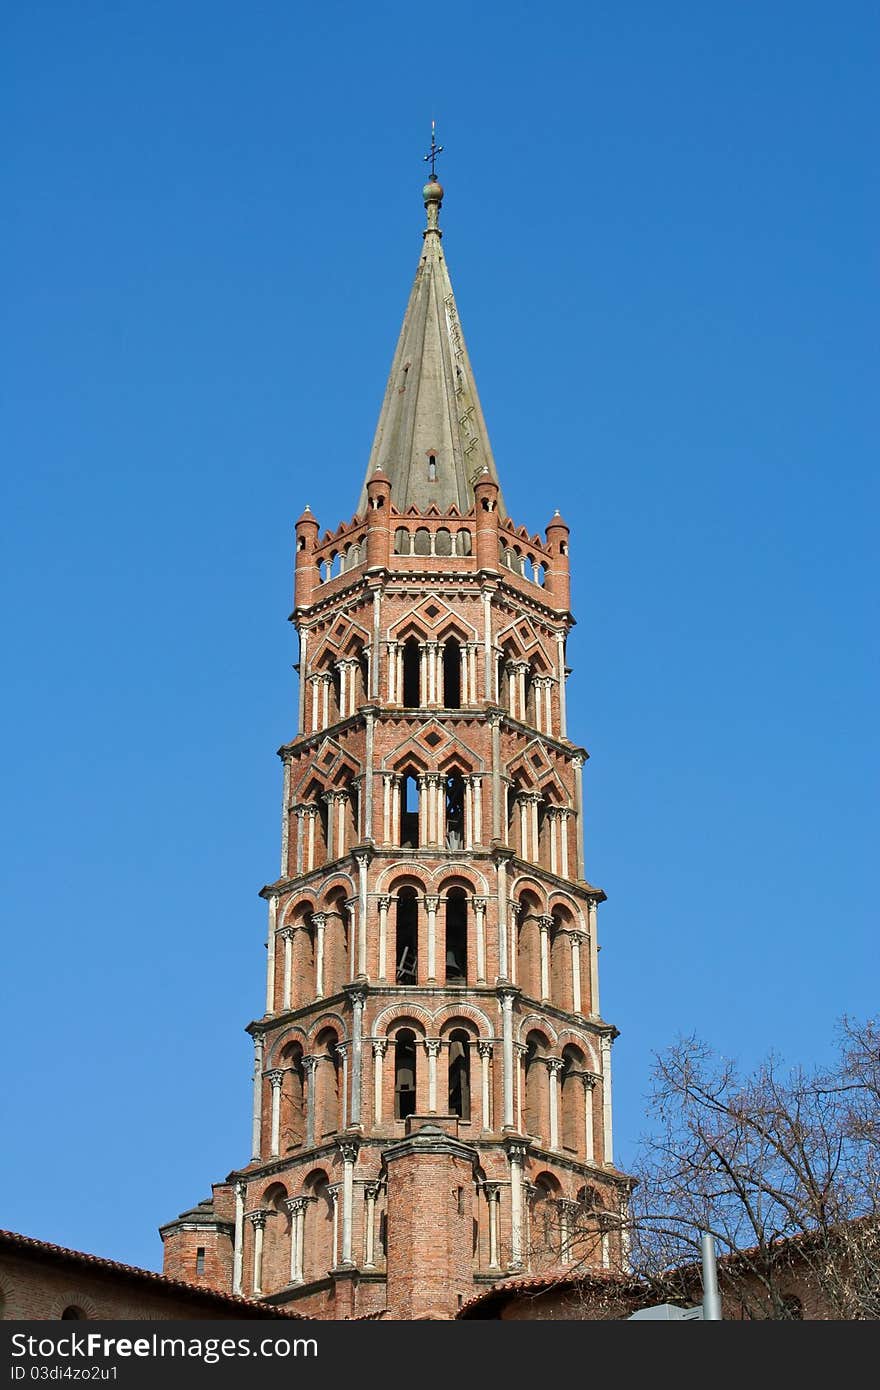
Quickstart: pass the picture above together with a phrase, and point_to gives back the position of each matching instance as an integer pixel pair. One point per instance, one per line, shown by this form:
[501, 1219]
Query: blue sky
[659, 223]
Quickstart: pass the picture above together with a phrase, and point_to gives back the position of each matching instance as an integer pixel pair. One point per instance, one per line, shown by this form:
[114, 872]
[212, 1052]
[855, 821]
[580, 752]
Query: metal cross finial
[433, 152]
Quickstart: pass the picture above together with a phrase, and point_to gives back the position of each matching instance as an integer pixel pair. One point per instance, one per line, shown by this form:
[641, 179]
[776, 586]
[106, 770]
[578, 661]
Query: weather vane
[433, 152]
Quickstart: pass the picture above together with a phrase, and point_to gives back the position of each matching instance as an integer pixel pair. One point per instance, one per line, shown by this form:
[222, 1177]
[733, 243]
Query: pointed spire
[431, 439]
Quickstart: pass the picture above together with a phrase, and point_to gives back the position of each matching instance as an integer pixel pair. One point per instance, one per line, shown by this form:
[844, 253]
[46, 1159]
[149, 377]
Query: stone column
[492, 1191]
[576, 940]
[424, 686]
[258, 1221]
[517, 1156]
[554, 1067]
[480, 927]
[342, 1053]
[563, 841]
[520, 1083]
[495, 725]
[485, 1050]
[380, 1047]
[560, 667]
[432, 1048]
[592, 927]
[319, 921]
[257, 1128]
[351, 907]
[270, 963]
[506, 998]
[368, 781]
[544, 925]
[297, 1208]
[285, 820]
[579, 807]
[371, 1192]
[490, 693]
[311, 816]
[513, 929]
[358, 1000]
[375, 645]
[238, 1247]
[568, 1213]
[395, 811]
[468, 813]
[608, 1146]
[363, 863]
[275, 1079]
[333, 1193]
[310, 1066]
[286, 934]
[302, 668]
[553, 822]
[423, 785]
[384, 904]
[478, 809]
[588, 1082]
[387, 780]
[349, 1157]
[393, 697]
[431, 905]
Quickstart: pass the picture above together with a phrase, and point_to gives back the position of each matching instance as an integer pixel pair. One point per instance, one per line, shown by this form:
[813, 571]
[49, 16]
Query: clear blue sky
[658, 222]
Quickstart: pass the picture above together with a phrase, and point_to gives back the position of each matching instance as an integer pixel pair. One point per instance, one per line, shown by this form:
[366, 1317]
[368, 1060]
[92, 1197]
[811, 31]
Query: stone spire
[431, 439]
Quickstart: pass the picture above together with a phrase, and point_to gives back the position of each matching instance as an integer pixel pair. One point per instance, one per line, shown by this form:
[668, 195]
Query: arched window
[422, 543]
[317, 1232]
[451, 674]
[404, 1073]
[326, 1074]
[401, 541]
[463, 543]
[412, 692]
[460, 1074]
[456, 937]
[72, 1311]
[407, 937]
[443, 542]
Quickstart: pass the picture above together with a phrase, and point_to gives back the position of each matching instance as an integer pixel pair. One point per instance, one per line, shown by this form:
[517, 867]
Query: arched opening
[454, 786]
[537, 1089]
[276, 1242]
[406, 944]
[317, 1236]
[561, 992]
[326, 1074]
[463, 543]
[401, 541]
[528, 960]
[409, 811]
[72, 1311]
[456, 937]
[422, 542]
[451, 674]
[572, 1098]
[443, 542]
[412, 660]
[404, 1073]
[460, 1074]
[546, 1231]
[292, 1098]
[528, 712]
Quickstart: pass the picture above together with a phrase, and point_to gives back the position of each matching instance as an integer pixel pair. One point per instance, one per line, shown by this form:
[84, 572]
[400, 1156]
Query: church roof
[431, 438]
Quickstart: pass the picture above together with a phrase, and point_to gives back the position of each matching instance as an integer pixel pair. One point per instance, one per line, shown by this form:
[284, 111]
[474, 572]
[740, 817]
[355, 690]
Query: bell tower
[432, 1072]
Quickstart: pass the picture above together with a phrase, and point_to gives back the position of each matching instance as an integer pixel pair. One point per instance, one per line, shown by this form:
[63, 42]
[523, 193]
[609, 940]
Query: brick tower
[432, 1078]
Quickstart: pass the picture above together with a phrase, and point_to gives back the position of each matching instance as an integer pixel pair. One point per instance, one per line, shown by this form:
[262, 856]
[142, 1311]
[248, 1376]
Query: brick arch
[74, 1298]
[405, 1010]
[268, 1184]
[476, 1016]
[402, 877]
[569, 1037]
[464, 763]
[338, 881]
[328, 1020]
[540, 1024]
[343, 772]
[455, 626]
[306, 900]
[481, 886]
[526, 884]
[289, 1035]
[458, 878]
[411, 626]
[559, 898]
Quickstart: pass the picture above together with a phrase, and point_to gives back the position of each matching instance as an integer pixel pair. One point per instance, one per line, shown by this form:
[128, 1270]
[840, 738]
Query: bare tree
[781, 1167]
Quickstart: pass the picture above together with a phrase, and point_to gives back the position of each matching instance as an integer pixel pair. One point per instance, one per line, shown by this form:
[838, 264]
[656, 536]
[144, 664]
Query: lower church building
[432, 1071]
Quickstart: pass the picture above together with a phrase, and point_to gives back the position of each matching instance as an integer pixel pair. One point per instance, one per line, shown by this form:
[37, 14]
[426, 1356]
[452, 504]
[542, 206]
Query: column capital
[517, 1150]
[295, 1204]
[319, 920]
[484, 1047]
[380, 1047]
[257, 1218]
[286, 933]
[310, 1063]
[554, 1064]
[545, 923]
[480, 904]
[432, 902]
[588, 1080]
[349, 1149]
[371, 1191]
[384, 902]
[578, 938]
[275, 1077]
[342, 1049]
[432, 1046]
[356, 995]
[506, 995]
[492, 1191]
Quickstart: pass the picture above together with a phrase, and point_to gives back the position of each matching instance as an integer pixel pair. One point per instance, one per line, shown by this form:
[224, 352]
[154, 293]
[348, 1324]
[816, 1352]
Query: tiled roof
[12, 1240]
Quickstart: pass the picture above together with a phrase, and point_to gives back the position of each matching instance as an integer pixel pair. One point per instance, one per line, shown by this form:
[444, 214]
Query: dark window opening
[456, 937]
[200, 1259]
[432, 468]
[404, 1074]
[460, 1076]
[451, 674]
[407, 937]
[455, 811]
[411, 669]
